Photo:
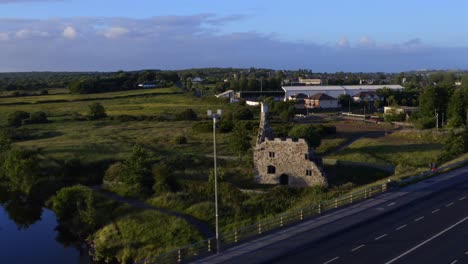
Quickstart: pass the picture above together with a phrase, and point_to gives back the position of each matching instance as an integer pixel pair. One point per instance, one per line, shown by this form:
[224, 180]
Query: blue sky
[331, 35]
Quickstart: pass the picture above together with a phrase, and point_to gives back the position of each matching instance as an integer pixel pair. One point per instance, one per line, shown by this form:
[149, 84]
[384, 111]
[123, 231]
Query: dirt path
[202, 227]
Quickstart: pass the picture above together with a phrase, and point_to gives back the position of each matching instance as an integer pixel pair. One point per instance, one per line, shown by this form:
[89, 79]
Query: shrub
[202, 127]
[16, 118]
[96, 111]
[38, 118]
[187, 114]
[179, 140]
[113, 172]
[425, 122]
[306, 132]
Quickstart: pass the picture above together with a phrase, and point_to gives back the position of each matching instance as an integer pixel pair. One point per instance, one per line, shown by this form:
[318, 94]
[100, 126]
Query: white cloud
[4, 36]
[27, 33]
[174, 42]
[366, 42]
[70, 32]
[116, 32]
[343, 42]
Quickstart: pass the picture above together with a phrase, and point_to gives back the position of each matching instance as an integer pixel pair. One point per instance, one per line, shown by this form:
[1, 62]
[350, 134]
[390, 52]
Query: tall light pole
[215, 117]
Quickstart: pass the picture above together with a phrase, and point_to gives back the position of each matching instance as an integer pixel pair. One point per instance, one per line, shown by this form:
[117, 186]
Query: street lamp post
[215, 117]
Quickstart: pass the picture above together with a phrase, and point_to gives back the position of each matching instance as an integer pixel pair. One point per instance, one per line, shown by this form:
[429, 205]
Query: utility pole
[349, 105]
[437, 119]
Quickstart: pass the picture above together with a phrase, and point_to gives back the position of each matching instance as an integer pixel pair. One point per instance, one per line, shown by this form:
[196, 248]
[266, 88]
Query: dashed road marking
[403, 226]
[453, 262]
[426, 241]
[417, 219]
[435, 211]
[450, 204]
[390, 204]
[463, 198]
[331, 260]
[466, 253]
[356, 248]
[384, 235]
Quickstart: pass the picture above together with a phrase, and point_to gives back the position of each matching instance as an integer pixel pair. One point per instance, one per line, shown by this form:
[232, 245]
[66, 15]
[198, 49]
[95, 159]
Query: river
[34, 239]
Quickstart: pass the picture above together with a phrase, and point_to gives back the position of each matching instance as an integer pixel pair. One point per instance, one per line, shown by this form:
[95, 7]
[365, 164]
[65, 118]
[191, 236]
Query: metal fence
[207, 247]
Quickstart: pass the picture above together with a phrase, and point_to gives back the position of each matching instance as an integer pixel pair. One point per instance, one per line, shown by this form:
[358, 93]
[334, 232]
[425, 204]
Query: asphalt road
[434, 230]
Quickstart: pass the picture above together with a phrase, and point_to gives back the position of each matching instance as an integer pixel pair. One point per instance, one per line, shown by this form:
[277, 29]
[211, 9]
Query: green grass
[77, 97]
[327, 145]
[143, 234]
[394, 150]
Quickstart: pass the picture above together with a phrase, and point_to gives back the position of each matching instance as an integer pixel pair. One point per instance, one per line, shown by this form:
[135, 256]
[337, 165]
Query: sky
[323, 36]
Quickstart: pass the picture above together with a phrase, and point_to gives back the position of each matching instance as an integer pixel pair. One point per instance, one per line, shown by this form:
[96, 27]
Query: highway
[434, 230]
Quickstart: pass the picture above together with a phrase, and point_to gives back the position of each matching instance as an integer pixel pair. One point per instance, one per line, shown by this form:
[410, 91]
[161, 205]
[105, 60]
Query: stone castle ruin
[284, 161]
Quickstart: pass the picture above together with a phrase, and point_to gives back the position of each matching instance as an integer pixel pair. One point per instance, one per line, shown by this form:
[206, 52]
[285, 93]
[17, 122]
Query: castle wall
[290, 157]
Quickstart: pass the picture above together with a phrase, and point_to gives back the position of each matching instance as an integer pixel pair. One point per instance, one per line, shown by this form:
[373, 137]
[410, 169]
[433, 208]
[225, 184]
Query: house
[368, 96]
[285, 161]
[320, 100]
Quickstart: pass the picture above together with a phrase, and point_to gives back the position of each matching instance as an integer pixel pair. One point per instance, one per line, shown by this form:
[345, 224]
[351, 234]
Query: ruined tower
[264, 131]
[284, 161]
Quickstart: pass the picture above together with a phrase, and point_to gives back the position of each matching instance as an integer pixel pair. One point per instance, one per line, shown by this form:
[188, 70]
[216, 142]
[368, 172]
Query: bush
[306, 132]
[76, 206]
[395, 117]
[202, 127]
[113, 172]
[425, 122]
[38, 118]
[96, 111]
[179, 140]
[187, 114]
[16, 118]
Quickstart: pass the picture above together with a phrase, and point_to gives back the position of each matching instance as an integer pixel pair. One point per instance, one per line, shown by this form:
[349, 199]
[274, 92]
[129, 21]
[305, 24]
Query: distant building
[365, 96]
[310, 81]
[147, 85]
[320, 100]
[458, 83]
[291, 92]
[197, 80]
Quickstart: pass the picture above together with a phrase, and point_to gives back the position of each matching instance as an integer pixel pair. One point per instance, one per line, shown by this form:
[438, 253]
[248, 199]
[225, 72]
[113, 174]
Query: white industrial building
[291, 92]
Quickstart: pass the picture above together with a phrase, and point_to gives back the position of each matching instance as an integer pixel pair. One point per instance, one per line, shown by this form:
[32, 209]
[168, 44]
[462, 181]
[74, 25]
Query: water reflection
[28, 233]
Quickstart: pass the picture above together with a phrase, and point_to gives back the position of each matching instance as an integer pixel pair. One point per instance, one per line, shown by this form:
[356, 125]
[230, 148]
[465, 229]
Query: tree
[96, 111]
[457, 109]
[307, 132]
[76, 207]
[21, 169]
[239, 141]
[136, 172]
[16, 118]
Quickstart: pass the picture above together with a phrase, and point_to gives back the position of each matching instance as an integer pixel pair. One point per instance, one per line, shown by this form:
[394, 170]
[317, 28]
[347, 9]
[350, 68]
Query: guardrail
[207, 247]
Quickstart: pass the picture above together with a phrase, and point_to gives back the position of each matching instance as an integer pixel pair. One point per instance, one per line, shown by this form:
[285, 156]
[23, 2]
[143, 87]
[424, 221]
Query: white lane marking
[448, 204]
[331, 260]
[384, 235]
[403, 226]
[435, 211]
[356, 248]
[453, 262]
[466, 253]
[463, 198]
[417, 219]
[390, 204]
[427, 241]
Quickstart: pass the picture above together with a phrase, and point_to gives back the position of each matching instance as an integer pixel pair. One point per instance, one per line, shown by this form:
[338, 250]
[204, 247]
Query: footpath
[279, 243]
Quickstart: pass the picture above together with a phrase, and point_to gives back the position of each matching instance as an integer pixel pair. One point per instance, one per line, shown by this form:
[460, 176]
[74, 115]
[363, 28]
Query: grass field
[396, 149]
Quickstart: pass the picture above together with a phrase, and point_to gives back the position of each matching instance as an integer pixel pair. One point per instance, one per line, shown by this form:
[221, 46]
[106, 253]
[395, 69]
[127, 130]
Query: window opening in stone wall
[271, 169]
[306, 156]
[308, 172]
[272, 154]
